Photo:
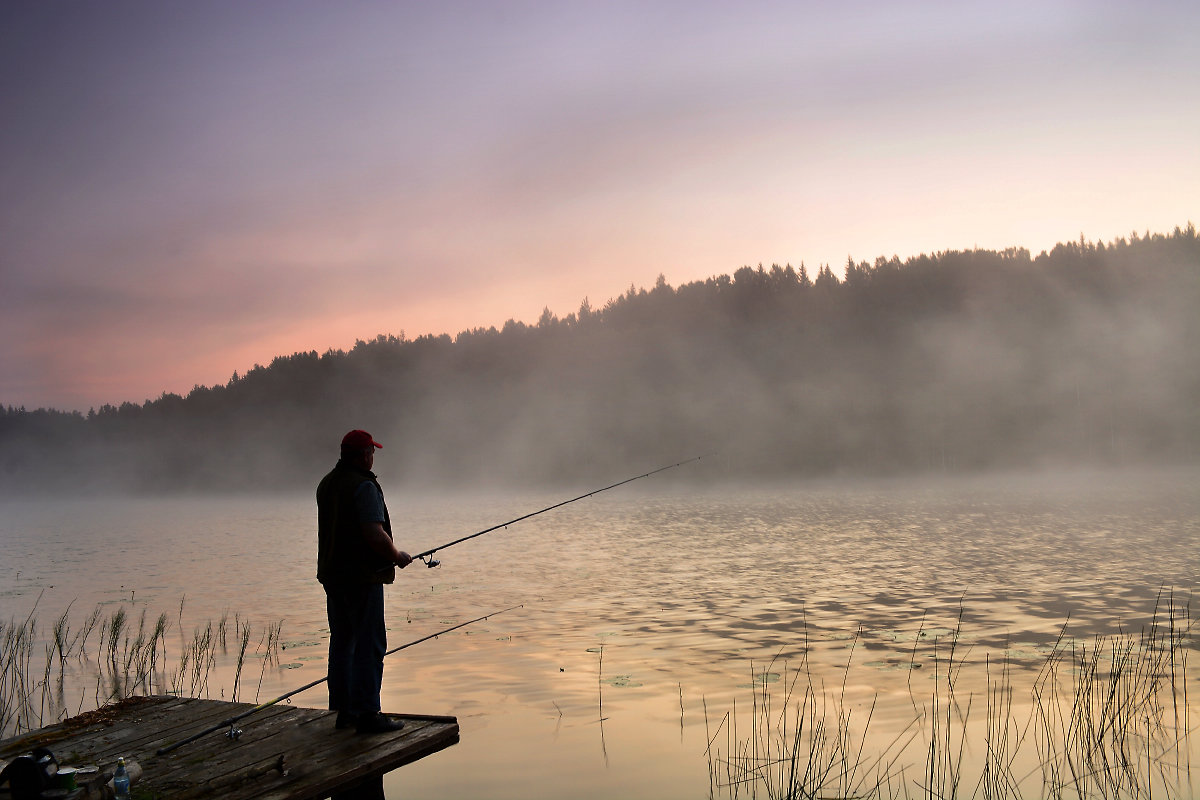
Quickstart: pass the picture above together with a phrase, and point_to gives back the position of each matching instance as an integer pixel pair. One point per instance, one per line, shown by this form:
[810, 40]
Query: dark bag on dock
[29, 775]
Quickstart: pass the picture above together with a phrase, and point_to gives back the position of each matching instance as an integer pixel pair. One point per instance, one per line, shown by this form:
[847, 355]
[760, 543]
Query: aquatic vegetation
[129, 659]
[1107, 718]
[241, 659]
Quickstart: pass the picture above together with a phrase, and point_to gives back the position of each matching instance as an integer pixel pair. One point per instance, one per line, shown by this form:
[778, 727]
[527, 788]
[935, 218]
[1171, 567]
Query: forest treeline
[1088, 354]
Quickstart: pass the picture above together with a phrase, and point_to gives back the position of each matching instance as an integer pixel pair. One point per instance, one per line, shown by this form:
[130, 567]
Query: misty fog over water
[959, 362]
[686, 594]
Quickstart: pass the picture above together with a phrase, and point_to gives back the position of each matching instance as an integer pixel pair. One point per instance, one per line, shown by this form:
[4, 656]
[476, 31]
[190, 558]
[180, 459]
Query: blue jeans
[357, 643]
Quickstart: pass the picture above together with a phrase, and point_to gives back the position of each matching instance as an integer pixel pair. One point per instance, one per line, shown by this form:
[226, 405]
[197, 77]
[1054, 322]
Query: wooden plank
[284, 752]
[91, 723]
[350, 762]
[179, 731]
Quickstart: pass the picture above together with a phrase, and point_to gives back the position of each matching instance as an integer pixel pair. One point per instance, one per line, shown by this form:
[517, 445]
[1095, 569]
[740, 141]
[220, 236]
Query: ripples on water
[646, 610]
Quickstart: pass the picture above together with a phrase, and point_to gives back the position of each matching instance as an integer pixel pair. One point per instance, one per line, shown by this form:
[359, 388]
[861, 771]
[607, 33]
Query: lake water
[655, 618]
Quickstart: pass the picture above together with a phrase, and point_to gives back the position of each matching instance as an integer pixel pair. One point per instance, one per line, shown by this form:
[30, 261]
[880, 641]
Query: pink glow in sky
[187, 189]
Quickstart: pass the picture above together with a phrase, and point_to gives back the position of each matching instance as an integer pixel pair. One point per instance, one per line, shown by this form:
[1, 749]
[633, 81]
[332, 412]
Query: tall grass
[807, 743]
[48, 675]
[1111, 717]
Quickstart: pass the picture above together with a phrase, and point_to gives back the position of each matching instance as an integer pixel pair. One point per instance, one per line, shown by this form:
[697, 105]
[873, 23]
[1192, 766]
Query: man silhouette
[355, 557]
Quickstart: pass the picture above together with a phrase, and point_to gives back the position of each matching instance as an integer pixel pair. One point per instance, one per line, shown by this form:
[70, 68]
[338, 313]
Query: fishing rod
[431, 562]
[235, 732]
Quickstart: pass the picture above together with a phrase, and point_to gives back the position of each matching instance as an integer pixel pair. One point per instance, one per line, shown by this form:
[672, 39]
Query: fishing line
[427, 556]
[234, 732]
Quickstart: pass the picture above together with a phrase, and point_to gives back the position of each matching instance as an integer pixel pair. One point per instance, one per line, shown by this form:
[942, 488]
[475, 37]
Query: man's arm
[379, 542]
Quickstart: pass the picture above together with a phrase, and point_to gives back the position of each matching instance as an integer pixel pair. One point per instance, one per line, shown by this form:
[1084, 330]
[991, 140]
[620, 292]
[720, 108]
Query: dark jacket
[343, 555]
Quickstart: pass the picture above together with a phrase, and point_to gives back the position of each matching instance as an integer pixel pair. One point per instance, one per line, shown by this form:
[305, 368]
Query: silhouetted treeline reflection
[1088, 354]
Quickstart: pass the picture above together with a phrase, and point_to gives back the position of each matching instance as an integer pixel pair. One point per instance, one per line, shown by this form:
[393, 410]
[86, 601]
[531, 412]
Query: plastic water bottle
[121, 781]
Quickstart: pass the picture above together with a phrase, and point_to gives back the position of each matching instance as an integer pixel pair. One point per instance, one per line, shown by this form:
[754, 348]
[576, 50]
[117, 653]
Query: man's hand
[378, 540]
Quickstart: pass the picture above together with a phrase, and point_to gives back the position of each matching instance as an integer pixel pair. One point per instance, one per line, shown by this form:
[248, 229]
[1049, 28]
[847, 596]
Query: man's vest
[343, 555]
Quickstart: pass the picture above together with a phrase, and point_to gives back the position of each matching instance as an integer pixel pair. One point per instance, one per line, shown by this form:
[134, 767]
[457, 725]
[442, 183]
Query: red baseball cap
[358, 440]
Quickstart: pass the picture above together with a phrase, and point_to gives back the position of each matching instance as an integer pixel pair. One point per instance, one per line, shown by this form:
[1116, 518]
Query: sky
[189, 189]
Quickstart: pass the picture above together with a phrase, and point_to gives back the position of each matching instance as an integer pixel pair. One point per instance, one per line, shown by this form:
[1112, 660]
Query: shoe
[378, 723]
[346, 719]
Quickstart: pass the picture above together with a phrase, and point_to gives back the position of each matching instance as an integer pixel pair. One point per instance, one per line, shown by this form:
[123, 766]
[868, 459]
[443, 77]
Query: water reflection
[690, 595]
[369, 789]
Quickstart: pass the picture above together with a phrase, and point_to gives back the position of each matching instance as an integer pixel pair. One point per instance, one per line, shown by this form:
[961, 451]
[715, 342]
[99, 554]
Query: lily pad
[761, 679]
[622, 681]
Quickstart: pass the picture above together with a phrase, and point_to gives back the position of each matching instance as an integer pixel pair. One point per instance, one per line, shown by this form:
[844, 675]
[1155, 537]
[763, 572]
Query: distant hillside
[1088, 354]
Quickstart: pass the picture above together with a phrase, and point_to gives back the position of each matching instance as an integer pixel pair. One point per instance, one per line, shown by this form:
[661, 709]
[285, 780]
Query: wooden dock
[283, 752]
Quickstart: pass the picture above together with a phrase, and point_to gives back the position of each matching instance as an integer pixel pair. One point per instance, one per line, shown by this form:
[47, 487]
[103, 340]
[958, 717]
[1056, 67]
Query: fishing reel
[429, 561]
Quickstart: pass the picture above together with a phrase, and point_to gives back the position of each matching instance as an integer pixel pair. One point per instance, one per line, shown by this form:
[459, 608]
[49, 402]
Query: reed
[947, 718]
[807, 744]
[48, 674]
[269, 646]
[63, 643]
[16, 656]
[1115, 737]
[89, 625]
[196, 659]
[116, 625]
[1110, 717]
[241, 660]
